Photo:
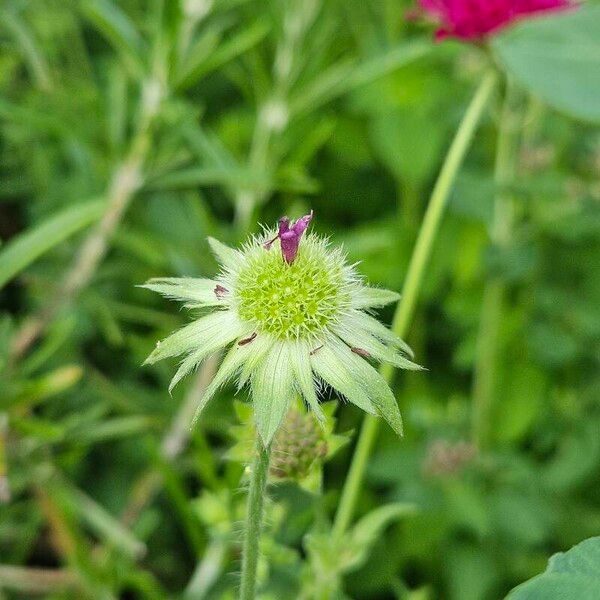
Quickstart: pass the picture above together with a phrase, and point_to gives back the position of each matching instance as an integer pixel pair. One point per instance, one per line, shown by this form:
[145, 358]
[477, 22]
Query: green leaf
[344, 77]
[110, 429]
[108, 528]
[24, 249]
[557, 58]
[117, 28]
[29, 48]
[231, 364]
[365, 533]
[571, 575]
[48, 386]
[228, 50]
[193, 177]
[409, 142]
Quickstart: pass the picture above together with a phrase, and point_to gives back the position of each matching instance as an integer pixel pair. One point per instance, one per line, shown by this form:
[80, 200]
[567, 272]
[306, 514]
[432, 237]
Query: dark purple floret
[290, 236]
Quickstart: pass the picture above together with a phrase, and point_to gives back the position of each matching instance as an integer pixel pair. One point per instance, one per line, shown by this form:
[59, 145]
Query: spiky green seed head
[298, 301]
[295, 316]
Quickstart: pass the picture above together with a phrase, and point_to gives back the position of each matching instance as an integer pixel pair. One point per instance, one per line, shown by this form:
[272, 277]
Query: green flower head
[300, 447]
[294, 315]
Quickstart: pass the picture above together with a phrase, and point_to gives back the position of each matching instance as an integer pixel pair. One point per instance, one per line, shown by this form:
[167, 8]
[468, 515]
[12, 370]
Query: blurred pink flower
[476, 19]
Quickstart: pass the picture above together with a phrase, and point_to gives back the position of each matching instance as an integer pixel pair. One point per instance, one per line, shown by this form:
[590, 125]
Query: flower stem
[412, 285]
[254, 514]
[488, 339]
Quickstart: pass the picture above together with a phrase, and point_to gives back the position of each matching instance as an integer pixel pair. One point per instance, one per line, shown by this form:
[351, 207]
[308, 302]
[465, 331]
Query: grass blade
[31, 244]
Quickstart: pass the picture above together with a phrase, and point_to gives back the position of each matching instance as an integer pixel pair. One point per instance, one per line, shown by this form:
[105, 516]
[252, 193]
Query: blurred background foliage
[132, 130]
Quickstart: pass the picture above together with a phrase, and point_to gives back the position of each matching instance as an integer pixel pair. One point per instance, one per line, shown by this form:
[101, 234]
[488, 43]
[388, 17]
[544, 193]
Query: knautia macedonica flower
[473, 20]
[294, 316]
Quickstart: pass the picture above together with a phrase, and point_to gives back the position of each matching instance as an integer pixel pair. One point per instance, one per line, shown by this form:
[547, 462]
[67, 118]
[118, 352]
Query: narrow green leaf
[362, 320]
[104, 524]
[29, 48]
[119, 427]
[342, 78]
[28, 246]
[228, 50]
[118, 29]
[363, 535]
[208, 176]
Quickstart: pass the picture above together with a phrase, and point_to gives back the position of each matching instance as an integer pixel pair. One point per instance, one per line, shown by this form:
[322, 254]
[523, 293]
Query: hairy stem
[413, 284]
[254, 515]
[488, 340]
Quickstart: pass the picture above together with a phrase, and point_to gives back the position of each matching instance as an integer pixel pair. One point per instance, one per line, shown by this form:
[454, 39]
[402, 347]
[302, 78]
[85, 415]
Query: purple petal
[300, 225]
[284, 225]
[290, 239]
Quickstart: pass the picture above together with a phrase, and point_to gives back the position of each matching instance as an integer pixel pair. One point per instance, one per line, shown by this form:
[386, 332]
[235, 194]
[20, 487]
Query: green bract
[300, 447]
[290, 328]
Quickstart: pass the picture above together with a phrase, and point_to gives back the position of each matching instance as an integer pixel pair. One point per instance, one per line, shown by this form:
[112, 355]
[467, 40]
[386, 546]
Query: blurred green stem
[254, 514]
[488, 340]
[126, 180]
[412, 285]
[4, 485]
[274, 112]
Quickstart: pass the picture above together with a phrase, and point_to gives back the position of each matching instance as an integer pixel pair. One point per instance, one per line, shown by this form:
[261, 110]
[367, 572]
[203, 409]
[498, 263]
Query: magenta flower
[289, 237]
[476, 19]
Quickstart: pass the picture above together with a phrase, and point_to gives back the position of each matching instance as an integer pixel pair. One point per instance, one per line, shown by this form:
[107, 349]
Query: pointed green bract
[378, 390]
[227, 256]
[363, 340]
[193, 359]
[272, 391]
[230, 366]
[358, 319]
[260, 348]
[370, 297]
[212, 331]
[332, 368]
[196, 292]
[300, 358]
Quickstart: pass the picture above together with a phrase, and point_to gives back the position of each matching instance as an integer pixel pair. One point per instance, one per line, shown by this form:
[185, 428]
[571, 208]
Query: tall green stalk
[413, 284]
[254, 515]
[488, 340]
